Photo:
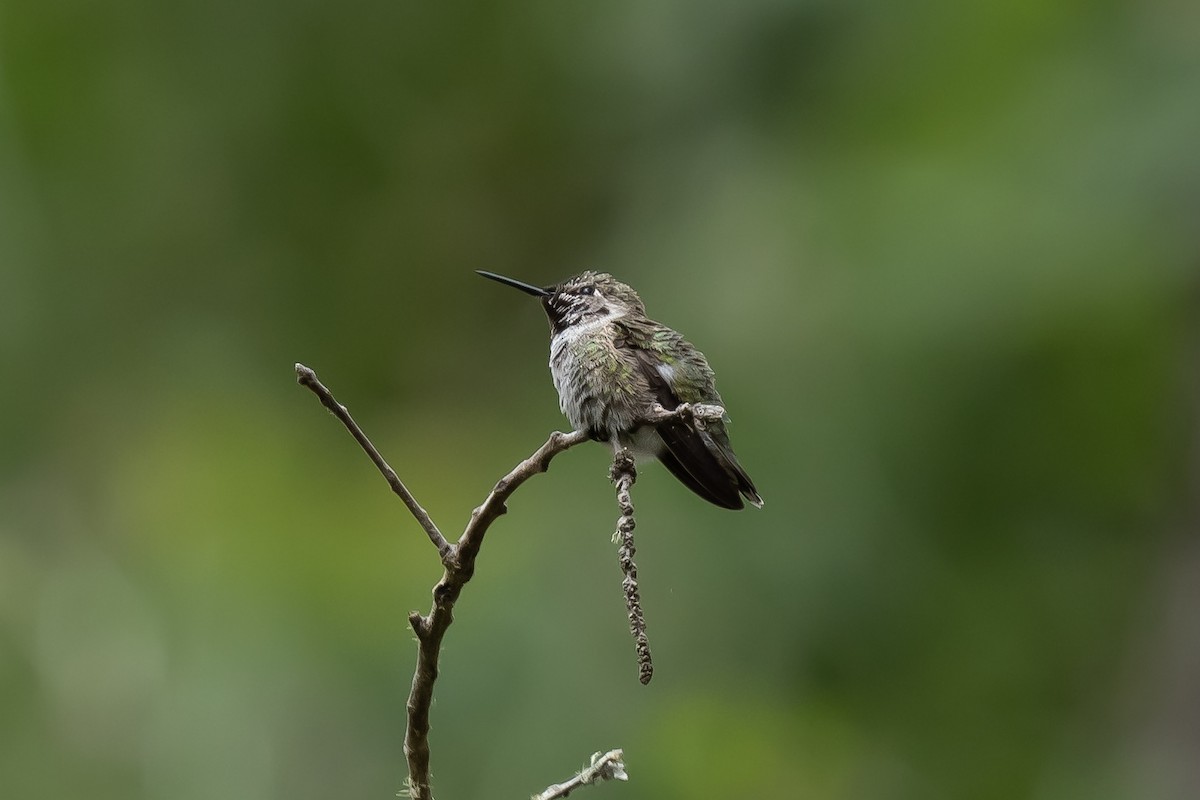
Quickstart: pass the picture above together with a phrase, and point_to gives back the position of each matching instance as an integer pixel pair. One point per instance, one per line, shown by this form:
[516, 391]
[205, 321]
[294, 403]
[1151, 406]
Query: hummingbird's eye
[587, 290]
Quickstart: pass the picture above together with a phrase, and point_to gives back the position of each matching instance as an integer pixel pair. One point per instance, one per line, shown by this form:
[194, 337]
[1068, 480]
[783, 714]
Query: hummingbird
[613, 366]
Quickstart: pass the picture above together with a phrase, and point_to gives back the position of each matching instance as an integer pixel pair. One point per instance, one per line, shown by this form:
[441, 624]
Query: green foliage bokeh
[942, 256]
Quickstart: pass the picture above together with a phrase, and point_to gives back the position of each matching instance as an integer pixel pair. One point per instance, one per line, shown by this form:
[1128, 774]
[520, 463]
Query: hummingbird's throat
[574, 321]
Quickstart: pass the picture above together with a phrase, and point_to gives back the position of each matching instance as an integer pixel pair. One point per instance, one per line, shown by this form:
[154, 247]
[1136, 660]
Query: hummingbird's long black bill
[527, 288]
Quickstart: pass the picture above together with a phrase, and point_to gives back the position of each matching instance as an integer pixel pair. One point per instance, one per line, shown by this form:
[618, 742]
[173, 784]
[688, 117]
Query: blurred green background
[943, 257]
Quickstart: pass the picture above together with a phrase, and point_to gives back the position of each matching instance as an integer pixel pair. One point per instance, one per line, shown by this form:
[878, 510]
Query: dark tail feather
[705, 466]
[745, 486]
[726, 499]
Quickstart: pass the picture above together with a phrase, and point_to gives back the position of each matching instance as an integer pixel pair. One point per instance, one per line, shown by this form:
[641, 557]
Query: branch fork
[458, 562]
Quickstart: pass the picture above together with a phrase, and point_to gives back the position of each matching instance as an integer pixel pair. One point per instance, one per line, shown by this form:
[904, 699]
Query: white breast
[569, 373]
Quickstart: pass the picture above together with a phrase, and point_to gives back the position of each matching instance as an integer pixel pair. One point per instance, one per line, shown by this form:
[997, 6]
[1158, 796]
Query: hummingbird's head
[586, 297]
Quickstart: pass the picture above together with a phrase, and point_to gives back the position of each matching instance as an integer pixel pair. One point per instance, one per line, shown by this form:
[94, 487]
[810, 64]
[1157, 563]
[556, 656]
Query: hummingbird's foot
[658, 411]
[704, 413]
[700, 414]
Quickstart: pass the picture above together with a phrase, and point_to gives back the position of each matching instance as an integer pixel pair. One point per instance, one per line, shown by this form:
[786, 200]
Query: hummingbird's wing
[695, 466]
[701, 459]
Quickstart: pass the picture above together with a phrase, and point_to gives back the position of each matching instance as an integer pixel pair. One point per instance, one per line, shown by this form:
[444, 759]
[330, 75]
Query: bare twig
[308, 379]
[623, 474]
[604, 767]
[457, 559]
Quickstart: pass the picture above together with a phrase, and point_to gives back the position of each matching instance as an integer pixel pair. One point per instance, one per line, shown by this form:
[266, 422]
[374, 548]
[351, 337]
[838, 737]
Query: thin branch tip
[305, 375]
[307, 378]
